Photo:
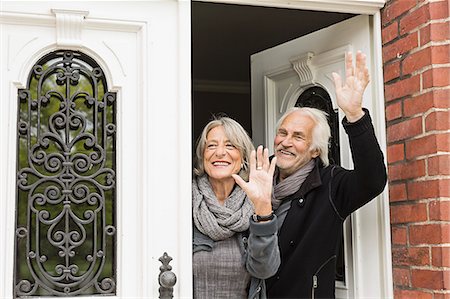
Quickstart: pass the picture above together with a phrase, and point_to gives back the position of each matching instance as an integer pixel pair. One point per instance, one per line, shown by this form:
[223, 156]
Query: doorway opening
[224, 36]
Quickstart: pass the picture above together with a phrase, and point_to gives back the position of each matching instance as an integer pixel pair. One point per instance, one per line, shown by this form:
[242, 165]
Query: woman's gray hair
[237, 136]
[321, 132]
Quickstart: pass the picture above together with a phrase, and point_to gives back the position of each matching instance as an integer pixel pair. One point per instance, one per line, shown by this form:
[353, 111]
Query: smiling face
[293, 143]
[220, 157]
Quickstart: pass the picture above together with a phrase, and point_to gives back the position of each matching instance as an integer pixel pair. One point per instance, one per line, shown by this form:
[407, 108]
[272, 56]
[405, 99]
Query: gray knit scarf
[217, 221]
[289, 185]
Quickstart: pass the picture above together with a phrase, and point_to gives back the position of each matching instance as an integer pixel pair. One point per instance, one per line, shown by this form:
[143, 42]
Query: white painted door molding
[347, 6]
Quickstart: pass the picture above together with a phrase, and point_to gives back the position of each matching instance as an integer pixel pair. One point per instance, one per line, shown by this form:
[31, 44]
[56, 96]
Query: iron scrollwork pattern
[66, 180]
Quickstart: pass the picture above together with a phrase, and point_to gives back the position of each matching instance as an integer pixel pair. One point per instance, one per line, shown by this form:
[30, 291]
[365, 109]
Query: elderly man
[312, 198]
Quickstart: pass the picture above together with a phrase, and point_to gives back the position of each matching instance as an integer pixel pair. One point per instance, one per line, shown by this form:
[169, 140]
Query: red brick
[391, 71]
[434, 32]
[410, 294]
[424, 102]
[402, 88]
[399, 235]
[428, 189]
[444, 188]
[395, 9]
[438, 165]
[440, 54]
[419, 256]
[414, 19]
[440, 256]
[443, 142]
[436, 77]
[400, 47]
[439, 10]
[405, 129]
[400, 256]
[416, 61]
[422, 189]
[395, 153]
[394, 111]
[408, 213]
[429, 234]
[447, 280]
[440, 210]
[421, 146]
[441, 98]
[427, 279]
[418, 104]
[397, 192]
[414, 256]
[401, 277]
[438, 121]
[389, 33]
[408, 170]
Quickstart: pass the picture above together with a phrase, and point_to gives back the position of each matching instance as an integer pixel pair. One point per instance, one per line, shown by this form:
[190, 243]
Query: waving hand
[259, 186]
[350, 94]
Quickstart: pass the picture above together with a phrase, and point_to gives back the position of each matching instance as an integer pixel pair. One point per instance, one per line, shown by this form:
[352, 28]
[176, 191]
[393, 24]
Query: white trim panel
[345, 6]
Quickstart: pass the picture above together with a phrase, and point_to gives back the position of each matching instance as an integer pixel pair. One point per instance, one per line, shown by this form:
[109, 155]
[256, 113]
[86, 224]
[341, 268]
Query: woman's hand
[349, 96]
[259, 186]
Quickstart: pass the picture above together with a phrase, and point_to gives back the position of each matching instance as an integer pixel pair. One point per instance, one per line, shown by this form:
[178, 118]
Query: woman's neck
[222, 188]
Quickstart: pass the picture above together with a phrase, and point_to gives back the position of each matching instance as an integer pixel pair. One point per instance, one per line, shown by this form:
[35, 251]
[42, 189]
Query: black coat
[312, 230]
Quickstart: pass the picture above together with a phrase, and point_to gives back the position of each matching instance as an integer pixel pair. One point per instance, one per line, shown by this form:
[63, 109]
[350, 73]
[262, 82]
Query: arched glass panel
[317, 97]
[66, 180]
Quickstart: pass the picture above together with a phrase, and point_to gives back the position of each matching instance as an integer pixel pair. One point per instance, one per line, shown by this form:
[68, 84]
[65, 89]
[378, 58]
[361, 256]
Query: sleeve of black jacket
[263, 254]
[351, 189]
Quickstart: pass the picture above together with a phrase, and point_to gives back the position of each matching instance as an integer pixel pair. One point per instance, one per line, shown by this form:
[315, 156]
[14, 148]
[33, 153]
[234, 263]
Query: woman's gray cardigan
[260, 250]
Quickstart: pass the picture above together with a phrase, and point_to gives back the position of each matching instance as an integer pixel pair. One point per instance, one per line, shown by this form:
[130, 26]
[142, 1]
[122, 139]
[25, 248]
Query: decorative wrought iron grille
[66, 189]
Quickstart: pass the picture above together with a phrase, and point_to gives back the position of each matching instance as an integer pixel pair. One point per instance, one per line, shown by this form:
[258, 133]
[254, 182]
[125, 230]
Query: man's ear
[315, 153]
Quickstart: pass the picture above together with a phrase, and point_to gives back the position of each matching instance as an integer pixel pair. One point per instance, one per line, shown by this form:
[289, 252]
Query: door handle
[166, 278]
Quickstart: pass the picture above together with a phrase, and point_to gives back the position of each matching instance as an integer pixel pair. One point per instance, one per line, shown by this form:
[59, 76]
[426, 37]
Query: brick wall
[416, 60]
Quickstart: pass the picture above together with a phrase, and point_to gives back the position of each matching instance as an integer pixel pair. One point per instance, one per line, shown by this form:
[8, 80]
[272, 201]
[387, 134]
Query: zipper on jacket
[314, 285]
[315, 280]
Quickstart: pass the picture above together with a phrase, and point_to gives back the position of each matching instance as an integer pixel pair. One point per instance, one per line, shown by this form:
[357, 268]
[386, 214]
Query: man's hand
[259, 186]
[349, 96]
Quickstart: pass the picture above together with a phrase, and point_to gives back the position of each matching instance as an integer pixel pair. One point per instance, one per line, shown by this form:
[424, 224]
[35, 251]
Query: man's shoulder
[330, 170]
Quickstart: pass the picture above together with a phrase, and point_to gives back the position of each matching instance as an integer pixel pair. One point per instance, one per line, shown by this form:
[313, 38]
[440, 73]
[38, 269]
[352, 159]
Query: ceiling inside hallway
[224, 36]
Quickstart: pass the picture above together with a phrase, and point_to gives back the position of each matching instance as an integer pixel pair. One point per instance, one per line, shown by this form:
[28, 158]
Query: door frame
[372, 8]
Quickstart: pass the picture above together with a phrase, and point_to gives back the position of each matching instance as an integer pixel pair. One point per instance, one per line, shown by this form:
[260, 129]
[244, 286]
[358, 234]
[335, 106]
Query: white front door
[279, 75]
[143, 52]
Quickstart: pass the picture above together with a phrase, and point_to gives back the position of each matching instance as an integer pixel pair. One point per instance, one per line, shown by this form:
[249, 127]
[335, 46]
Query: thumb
[239, 181]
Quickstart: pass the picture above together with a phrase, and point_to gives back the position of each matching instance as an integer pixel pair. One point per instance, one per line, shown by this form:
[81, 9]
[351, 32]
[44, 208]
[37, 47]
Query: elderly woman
[235, 242]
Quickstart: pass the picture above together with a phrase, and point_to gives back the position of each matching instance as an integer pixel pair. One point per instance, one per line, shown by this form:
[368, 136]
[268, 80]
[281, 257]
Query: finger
[252, 161]
[366, 78]
[265, 160]
[273, 163]
[349, 65]
[360, 65]
[259, 158]
[337, 81]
